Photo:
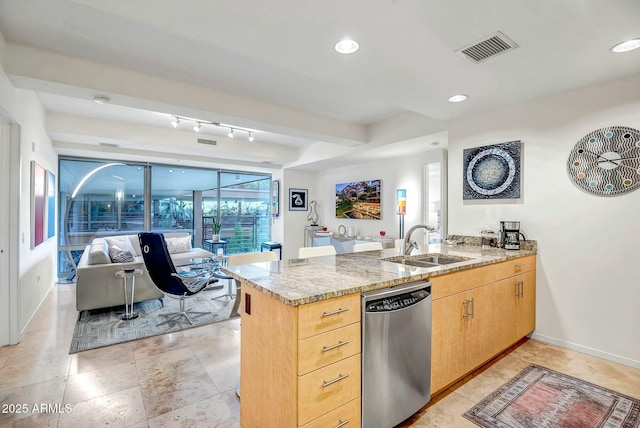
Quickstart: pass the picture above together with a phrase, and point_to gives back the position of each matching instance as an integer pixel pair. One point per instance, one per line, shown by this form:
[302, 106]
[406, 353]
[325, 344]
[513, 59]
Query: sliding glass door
[102, 198]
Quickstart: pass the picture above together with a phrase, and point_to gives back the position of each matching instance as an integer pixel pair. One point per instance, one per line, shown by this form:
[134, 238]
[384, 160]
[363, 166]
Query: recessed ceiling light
[347, 46]
[101, 99]
[626, 46]
[457, 98]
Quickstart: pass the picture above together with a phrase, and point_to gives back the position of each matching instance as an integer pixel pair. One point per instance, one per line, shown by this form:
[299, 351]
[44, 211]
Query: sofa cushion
[118, 255]
[98, 253]
[179, 244]
[122, 242]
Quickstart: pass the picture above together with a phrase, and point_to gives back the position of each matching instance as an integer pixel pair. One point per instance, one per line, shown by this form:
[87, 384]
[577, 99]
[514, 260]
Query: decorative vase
[215, 238]
[313, 215]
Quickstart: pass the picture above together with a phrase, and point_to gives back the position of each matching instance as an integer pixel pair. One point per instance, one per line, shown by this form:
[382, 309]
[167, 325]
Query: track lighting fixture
[176, 120]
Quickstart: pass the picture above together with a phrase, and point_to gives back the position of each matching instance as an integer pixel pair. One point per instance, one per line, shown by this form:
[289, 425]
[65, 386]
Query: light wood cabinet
[477, 314]
[300, 366]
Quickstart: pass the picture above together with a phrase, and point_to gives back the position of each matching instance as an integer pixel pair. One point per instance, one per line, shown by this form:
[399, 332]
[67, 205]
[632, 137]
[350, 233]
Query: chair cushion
[179, 244]
[118, 255]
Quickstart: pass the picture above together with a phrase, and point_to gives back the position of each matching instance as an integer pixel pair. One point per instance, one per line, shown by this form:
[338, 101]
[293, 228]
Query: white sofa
[97, 285]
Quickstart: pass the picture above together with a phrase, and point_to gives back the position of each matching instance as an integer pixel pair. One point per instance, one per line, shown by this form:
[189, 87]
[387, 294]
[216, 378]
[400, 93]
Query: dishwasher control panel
[399, 301]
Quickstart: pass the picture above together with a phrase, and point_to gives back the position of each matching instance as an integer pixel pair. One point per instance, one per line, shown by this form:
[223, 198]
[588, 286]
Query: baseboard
[586, 350]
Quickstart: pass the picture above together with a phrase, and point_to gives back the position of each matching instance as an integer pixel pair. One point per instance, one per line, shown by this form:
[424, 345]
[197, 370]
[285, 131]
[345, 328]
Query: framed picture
[38, 203]
[275, 198]
[359, 200]
[492, 172]
[298, 199]
[51, 204]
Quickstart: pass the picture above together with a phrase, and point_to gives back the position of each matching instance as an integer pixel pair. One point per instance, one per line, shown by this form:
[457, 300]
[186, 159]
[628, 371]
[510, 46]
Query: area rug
[103, 327]
[539, 398]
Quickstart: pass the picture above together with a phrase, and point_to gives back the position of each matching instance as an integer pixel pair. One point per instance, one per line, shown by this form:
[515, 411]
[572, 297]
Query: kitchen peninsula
[300, 341]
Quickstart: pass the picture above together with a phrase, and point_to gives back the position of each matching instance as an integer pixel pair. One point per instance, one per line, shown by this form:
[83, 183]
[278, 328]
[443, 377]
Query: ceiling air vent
[209, 142]
[487, 48]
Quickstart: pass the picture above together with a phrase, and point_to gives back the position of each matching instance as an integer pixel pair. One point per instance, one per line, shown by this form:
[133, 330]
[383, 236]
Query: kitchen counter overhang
[300, 281]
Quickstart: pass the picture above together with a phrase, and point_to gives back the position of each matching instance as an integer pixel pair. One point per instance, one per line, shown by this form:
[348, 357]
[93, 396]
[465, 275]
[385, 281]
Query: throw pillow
[118, 255]
[179, 245]
[121, 242]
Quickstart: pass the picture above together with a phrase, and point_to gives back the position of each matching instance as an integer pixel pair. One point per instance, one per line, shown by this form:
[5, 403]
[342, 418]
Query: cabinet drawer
[515, 267]
[328, 388]
[347, 416]
[323, 349]
[319, 317]
[458, 282]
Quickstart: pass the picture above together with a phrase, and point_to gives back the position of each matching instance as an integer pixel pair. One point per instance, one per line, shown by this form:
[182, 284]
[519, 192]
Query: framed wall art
[359, 200]
[298, 200]
[492, 172]
[51, 204]
[275, 198]
[38, 203]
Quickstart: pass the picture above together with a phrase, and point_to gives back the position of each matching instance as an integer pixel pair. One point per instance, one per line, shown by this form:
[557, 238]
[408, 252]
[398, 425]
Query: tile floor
[188, 378]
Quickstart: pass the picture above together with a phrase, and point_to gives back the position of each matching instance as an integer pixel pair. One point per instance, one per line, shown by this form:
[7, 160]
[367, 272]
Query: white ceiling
[269, 66]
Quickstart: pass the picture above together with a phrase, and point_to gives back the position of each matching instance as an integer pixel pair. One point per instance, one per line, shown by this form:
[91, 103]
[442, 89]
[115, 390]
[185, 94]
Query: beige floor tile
[25, 403]
[220, 349]
[96, 383]
[100, 358]
[122, 408]
[5, 353]
[178, 362]
[212, 412]
[225, 374]
[215, 330]
[618, 377]
[17, 373]
[158, 344]
[171, 393]
[445, 412]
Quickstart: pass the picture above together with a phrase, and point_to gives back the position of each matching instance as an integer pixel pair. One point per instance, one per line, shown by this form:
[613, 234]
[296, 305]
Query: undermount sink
[429, 261]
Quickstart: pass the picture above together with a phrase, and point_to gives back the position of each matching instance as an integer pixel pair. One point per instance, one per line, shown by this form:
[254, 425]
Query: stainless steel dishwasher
[396, 353]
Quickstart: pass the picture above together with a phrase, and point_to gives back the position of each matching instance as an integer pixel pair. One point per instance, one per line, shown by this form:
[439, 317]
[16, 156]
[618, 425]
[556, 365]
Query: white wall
[36, 267]
[404, 172]
[588, 273]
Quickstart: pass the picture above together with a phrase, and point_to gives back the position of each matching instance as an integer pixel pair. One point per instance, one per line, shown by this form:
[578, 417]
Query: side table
[128, 304]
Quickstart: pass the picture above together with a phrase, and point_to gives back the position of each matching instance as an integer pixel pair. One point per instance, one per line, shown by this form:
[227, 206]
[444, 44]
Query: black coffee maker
[510, 235]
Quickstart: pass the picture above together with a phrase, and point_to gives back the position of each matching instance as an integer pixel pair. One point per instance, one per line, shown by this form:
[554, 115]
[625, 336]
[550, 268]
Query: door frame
[10, 236]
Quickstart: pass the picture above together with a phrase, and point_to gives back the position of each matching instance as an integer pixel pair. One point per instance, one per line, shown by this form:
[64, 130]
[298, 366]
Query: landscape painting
[358, 200]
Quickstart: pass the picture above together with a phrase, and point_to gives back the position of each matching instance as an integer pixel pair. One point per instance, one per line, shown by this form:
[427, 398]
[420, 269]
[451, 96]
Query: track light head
[230, 134]
[251, 137]
[175, 121]
[197, 126]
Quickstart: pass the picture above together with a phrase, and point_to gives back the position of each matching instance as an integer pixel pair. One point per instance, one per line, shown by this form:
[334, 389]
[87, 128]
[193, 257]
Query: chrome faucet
[408, 243]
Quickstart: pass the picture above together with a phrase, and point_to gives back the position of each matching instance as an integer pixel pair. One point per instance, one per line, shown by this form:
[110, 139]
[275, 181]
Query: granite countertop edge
[298, 282]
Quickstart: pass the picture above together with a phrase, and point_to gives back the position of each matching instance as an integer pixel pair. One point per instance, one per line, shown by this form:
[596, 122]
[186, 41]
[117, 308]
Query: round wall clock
[606, 161]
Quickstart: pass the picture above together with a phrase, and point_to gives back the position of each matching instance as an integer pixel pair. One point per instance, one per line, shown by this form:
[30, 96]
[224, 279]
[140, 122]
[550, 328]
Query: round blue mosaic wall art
[492, 172]
[606, 162]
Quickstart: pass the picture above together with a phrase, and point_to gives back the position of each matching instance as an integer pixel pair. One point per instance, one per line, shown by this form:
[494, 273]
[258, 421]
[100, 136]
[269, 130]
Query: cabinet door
[526, 305]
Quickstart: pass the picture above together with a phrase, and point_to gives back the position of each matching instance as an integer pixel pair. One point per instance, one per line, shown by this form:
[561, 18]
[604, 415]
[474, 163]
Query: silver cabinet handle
[517, 285]
[519, 265]
[338, 379]
[337, 345]
[339, 311]
[522, 289]
[342, 423]
[468, 314]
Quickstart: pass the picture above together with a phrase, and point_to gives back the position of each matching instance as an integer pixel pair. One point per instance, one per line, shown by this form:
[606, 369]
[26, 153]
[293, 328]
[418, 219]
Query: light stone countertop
[301, 281]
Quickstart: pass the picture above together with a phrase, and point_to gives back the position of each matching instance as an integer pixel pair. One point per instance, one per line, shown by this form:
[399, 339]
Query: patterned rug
[103, 327]
[539, 398]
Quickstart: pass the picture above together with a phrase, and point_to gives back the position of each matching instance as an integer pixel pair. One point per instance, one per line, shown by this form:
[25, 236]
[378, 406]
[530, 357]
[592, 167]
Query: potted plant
[217, 224]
